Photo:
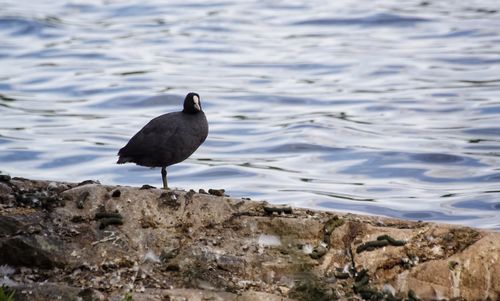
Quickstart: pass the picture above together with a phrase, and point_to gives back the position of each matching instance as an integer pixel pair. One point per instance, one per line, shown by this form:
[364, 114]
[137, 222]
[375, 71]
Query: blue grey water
[379, 107]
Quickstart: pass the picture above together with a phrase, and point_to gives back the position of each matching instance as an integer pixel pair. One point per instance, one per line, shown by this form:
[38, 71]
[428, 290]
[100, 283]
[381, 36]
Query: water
[380, 107]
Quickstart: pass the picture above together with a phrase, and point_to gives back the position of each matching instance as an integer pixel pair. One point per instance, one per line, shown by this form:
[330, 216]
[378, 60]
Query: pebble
[52, 186]
[216, 192]
[87, 182]
[170, 250]
[318, 252]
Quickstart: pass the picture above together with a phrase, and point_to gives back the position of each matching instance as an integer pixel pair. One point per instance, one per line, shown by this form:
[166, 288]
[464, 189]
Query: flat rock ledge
[87, 241]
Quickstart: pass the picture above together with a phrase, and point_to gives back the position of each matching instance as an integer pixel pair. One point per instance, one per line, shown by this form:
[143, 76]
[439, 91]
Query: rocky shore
[87, 241]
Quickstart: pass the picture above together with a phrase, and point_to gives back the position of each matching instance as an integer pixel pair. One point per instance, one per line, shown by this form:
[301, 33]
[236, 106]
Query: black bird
[168, 139]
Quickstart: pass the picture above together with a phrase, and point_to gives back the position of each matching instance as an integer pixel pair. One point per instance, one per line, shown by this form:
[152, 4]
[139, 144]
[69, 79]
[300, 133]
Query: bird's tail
[122, 160]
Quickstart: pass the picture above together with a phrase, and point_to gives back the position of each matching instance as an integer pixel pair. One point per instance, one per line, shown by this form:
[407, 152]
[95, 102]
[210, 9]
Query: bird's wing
[150, 137]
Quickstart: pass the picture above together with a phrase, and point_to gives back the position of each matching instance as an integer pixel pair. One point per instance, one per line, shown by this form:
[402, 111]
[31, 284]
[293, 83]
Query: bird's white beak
[197, 103]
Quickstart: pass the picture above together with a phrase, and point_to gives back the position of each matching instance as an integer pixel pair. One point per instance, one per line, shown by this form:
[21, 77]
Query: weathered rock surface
[96, 242]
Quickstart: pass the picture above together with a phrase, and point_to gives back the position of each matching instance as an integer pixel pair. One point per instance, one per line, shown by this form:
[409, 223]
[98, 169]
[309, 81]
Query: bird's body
[168, 139]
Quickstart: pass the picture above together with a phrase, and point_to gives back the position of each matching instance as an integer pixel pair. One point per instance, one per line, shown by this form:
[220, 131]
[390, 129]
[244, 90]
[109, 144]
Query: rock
[9, 226]
[34, 251]
[88, 182]
[170, 250]
[318, 252]
[277, 209]
[148, 221]
[46, 291]
[57, 187]
[230, 263]
[110, 221]
[227, 249]
[116, 193]
[52, 186]
[216, 192]
[5, 189]
[4, 178]
[89, 294]
[39, 198]
[82, 198]
[260, 296]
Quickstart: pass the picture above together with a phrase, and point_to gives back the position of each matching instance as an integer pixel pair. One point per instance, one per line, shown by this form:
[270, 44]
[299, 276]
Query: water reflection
[381, 19]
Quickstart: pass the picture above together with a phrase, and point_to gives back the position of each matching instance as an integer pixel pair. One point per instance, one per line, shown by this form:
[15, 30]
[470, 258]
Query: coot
[168, 139]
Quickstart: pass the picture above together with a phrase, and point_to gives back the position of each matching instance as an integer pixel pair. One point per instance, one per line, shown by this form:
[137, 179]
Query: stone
[34, 251]
[220, 248]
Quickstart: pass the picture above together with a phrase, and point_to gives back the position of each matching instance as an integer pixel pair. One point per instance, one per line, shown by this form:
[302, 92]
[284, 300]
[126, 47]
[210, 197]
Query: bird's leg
[164, 177]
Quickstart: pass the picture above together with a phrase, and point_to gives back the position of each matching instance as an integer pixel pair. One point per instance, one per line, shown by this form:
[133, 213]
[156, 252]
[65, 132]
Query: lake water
[379, 107]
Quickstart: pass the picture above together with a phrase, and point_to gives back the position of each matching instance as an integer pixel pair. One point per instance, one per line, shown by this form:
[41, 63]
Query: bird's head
[192, 103]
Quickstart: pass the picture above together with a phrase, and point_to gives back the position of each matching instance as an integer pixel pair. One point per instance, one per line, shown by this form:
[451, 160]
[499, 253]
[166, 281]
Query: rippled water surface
[381, 107]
